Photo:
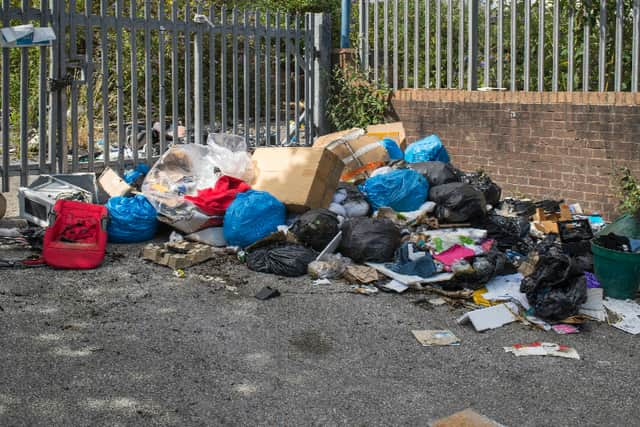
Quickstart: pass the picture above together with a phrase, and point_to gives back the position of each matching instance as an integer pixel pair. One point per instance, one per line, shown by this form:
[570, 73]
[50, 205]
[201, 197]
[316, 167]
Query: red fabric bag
[215, 201]
[77, 236]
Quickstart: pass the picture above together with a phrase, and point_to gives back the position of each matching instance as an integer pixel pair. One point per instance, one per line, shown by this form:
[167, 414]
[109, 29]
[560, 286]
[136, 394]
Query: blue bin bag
[403, 190]
[131, 219]
[133, 174]
[428, 149]
[252, 216]
[395, 153]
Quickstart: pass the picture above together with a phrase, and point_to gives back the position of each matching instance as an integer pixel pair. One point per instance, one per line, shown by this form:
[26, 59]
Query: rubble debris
[266, 293]
[430, 338]
[360, 274]
[178, 255]
[543, 349]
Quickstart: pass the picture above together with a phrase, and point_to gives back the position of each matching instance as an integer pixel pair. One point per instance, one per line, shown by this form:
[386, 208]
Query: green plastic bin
[618, 272]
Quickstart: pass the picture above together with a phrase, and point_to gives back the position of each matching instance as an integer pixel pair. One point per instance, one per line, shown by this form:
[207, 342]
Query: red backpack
[77, 236]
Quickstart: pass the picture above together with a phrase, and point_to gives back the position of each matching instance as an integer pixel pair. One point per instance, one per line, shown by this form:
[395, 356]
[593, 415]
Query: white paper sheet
[506, 288]
[628, 313]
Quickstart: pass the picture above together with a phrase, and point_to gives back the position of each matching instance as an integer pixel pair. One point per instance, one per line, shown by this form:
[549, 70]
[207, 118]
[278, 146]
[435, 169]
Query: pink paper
[453, 254]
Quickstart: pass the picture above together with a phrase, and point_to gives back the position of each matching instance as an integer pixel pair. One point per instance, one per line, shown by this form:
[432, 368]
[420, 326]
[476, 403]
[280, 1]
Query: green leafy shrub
[628, 192]
[354, 101]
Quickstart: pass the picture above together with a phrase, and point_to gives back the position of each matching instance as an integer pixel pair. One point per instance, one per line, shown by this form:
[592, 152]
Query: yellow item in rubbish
[480, 300]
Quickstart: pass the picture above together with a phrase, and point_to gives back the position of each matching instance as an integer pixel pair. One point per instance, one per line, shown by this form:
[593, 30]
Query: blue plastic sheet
[131, 219]
[403, 190]
[428, 149]
[395, 153]
[252, 216]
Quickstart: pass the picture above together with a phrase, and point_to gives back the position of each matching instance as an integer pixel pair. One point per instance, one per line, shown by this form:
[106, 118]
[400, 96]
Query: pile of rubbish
[360, 207]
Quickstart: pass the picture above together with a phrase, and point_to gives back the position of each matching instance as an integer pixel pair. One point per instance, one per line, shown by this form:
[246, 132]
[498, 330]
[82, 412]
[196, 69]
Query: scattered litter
[410, 280]
[360, 274]
[365, 289]
[437, 301]
[466, 418]
[266, 293]
[430, 338]
[623, 315]
[396, 286]
[506, 288]
[179, 273]
[489, 318]
[332, 267]
[321, 282]
[543, 349]
[594, 306]
[564, 329]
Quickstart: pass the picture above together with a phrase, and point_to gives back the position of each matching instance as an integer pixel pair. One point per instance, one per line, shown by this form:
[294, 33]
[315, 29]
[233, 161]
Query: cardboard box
[300, 177]
[361, 152]
[112, 184]
[394, 131]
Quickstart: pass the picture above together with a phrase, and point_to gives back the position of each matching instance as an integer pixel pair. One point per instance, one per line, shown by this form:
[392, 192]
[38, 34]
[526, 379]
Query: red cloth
[216, 200]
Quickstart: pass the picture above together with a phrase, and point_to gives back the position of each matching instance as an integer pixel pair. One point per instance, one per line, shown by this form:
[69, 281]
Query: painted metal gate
[127, 78]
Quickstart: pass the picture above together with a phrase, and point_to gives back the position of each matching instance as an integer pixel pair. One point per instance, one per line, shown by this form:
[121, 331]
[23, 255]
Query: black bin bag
[481, 182]
[458, 203]
[437, 173]
[557, 287]
[282, 259]
[316, 228]
[369, 239]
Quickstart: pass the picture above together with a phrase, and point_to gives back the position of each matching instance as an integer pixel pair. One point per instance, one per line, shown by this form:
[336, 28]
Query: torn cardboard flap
[112, 184]
[300, 177]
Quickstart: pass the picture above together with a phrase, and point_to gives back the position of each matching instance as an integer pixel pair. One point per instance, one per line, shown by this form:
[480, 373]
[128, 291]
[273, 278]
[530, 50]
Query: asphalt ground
[130, 344]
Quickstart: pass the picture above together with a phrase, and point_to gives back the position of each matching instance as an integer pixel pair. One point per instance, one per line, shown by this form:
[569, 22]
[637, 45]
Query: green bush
[628, 191]
[354, 101]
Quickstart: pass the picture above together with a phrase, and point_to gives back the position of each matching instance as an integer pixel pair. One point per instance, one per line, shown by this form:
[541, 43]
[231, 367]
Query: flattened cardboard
[112, 184]
[300, 177]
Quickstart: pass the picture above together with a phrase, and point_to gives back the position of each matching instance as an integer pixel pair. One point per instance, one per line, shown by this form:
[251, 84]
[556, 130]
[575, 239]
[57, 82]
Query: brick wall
[540, 145]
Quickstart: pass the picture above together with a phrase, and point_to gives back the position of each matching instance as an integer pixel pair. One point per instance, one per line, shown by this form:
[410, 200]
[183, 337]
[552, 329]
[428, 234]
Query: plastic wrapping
[131, 219]
[349, 202]
[186, 169]
[331, 267]
[426, 150]
[369, 239]
[402, 190]
[282, 259]
[252, 216]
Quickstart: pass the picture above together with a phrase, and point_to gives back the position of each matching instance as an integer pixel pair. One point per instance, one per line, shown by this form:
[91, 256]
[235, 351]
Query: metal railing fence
[126, 78]
[543, 45]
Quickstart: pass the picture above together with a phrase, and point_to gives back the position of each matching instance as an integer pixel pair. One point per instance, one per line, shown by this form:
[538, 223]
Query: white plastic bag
[229, 154]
